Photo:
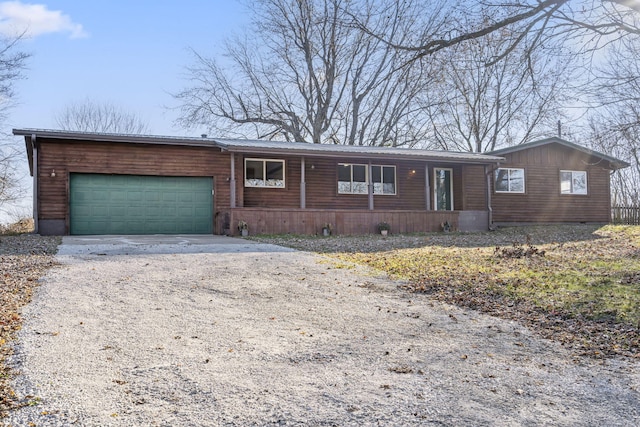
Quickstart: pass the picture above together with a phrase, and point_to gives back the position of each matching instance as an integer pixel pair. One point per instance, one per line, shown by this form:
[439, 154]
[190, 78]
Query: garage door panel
[119, 227]
[134, 196]
[200, 212]
[169, 197]
[117, 211]
[151, 196]
[127, 204]
[116, 196]
[166, 211]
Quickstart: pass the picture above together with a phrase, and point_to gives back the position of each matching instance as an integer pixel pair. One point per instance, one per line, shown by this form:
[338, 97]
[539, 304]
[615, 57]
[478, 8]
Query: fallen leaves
[23, 260]
[517, 250]
[576, 284]
[402, 369]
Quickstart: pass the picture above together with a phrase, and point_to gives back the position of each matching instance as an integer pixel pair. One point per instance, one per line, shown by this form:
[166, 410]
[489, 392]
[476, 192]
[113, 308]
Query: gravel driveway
[208, 332]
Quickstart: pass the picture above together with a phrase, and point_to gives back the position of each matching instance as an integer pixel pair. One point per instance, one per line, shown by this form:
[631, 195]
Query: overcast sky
[129, 53]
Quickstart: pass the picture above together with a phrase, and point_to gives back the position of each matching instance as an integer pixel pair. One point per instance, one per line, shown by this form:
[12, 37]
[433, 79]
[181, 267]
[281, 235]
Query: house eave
[267, 147]
[115, 137]
[341, 155]
[614, 162]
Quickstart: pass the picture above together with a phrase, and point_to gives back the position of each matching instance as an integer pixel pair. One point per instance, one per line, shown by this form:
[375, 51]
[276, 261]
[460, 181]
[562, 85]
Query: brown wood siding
[67, 157]
[322, 186]
[288, 197]
[474, 182]
[458, 189]
[343, 221]
[118, 158]
[410, 188]
[542, 201]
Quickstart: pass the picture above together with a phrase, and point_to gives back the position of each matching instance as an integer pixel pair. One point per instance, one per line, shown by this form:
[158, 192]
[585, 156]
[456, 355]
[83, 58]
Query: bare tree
[623, 143]
[92, 116]
[508, 102]
[591, 24]
[10, 178]
[614, 125]
[306, 73]
[12, 65]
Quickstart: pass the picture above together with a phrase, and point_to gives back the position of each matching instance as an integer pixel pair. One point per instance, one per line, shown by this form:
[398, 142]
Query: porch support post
[427, 189]
[232, 181]
[370, 186]
[303, 185]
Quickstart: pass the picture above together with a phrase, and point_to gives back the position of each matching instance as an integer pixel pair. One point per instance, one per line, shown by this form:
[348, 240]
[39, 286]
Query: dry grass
[22, 226]
[579, 285]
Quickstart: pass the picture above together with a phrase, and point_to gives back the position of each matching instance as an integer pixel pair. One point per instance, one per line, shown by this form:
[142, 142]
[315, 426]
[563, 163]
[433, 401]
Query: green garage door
[132, 204]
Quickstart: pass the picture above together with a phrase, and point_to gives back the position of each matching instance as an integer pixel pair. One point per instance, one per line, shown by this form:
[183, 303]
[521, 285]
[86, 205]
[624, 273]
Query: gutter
[489, 174]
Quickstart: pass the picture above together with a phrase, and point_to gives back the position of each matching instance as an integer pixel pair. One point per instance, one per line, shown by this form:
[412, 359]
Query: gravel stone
[255, 335]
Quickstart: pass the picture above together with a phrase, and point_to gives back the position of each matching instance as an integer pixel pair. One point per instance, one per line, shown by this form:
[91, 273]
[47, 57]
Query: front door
[443, 189]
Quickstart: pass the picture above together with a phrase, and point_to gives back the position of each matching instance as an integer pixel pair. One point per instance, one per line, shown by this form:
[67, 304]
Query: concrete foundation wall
[52, 227]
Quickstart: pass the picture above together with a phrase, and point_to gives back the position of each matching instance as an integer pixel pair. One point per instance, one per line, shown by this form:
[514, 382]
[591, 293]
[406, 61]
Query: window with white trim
[264, 173]
[384, 179]
[354, 179]
[573, 182]
[509, 180]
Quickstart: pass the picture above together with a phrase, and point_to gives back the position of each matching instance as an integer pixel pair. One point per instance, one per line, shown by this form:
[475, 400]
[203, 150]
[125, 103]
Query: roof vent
[204, 135]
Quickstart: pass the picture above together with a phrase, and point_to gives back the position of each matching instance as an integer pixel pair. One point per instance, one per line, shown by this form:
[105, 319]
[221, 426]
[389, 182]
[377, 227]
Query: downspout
[34, 169]
[488, 174]
[370, 187]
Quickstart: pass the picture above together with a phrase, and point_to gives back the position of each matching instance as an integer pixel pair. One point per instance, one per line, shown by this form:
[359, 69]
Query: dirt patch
[275, 338]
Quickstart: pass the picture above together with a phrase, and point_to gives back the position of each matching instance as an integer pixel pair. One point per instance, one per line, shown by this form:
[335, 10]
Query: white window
[573, 182]
[384, 179]
[354, 179]
[264, 173]
[509, 180]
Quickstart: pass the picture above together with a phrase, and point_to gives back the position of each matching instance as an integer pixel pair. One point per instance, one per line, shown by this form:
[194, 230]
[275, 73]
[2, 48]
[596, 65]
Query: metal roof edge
[617, 163]
[325, 150]
[115, 137]
[262, 146]
[408, 156]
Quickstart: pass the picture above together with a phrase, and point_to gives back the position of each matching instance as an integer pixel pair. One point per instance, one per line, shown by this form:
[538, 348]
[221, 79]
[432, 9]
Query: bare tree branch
[92, 116]
[614, 122]
[484, 105]
[589, 22]
[306, 73]
[12, 65]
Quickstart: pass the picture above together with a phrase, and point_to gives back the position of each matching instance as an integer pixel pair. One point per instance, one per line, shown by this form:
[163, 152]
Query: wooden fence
[625, 215]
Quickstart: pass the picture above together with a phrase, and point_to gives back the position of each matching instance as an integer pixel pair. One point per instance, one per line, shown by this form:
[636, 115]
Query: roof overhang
[614, 162]
[114, 137]
[262, 147]
[350, 151]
